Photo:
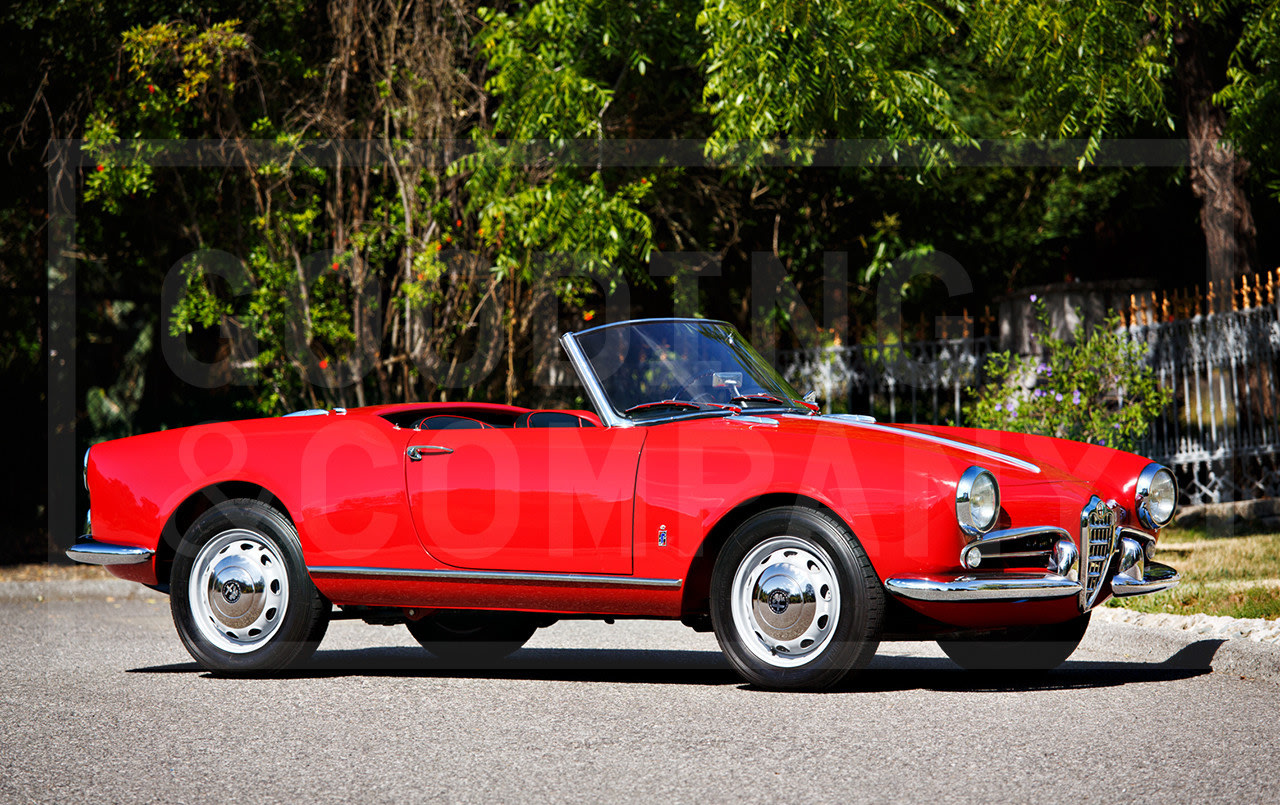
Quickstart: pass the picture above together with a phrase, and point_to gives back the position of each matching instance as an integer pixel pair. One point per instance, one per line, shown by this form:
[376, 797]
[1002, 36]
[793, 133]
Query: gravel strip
[109, 589]
[1256, 629]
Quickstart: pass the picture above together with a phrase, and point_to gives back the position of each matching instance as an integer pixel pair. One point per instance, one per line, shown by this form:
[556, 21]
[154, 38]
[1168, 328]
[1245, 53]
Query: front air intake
[1097, 546]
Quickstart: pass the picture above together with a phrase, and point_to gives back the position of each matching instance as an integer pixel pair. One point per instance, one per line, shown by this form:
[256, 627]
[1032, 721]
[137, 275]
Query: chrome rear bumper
[89, 551]
[996, 586]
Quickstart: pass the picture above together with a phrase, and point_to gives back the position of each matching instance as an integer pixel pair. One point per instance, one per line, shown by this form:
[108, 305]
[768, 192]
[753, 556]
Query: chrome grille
[1097, 546]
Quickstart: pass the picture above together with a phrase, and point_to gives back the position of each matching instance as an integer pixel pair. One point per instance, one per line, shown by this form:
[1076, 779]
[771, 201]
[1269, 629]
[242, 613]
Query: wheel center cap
[783, 601]
[778, 601]
[236, 592]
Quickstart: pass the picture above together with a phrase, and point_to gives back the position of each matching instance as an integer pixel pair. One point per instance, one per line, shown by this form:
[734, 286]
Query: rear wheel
[240, 594]
[794, 600]
[1018, 648]
[472, 637]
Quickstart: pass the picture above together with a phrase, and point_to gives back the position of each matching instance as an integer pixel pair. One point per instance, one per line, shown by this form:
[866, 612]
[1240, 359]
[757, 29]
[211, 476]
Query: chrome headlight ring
[977, 501]
[1156, 496]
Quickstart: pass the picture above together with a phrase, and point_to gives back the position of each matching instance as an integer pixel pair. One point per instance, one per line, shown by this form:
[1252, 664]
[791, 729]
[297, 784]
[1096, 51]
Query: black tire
[472, 637]
[241, 597]
[1018, 648]
[794, 600]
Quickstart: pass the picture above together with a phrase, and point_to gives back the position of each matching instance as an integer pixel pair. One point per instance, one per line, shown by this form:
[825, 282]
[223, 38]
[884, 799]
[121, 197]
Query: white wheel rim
[239, 589]
[786, 601]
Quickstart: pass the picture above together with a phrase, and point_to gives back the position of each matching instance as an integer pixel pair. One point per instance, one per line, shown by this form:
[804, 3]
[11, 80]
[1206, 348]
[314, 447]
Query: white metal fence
[1222, 432]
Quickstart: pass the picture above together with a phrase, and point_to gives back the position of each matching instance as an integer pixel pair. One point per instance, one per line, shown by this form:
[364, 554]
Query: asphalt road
[100, 703]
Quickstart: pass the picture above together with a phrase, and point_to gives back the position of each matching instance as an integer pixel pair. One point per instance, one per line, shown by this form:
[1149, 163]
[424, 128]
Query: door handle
[417, 451]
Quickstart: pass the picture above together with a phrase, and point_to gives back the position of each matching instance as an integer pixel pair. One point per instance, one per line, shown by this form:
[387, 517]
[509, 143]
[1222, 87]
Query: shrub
[1093, 387]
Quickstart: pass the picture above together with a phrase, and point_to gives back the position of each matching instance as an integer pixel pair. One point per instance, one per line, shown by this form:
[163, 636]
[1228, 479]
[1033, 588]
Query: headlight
[1156, 496]
[977, 501]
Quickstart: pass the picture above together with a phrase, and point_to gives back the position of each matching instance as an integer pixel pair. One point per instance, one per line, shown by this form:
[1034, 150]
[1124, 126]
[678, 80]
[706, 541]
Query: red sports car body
[700, 489]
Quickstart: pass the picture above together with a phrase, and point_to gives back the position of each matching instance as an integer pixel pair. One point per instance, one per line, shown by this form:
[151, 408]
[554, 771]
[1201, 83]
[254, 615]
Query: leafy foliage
[788, 68]
[1087, 69]
[494, 184]
[1094, 387]
[1253, 91]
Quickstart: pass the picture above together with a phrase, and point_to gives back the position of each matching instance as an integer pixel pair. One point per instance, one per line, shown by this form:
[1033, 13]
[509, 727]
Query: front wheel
[794, 600]
[1018, 648]
[241, 597]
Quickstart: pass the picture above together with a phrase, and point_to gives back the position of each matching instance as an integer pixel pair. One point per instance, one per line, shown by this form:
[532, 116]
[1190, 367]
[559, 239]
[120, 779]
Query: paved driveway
[100, 702]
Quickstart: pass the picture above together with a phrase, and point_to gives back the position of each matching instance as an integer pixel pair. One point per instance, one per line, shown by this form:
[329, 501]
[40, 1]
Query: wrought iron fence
[1221, 434]
[916, 381]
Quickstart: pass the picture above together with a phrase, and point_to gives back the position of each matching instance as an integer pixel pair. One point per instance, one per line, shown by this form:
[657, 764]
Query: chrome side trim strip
[1156, 577]
[411, 574]
[974, 587]
[91, 552]
[929, 437]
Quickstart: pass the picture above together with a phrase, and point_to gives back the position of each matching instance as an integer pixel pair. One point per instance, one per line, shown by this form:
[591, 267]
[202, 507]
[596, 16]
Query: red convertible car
[701, 488]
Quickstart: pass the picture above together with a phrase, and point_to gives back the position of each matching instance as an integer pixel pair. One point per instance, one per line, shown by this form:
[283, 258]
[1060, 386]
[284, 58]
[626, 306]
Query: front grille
[1097, 546]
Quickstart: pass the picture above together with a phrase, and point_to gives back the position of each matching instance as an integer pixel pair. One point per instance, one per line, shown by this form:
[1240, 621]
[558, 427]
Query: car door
[556, 500]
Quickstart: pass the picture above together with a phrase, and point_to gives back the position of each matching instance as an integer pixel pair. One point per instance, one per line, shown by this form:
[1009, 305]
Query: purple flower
[1039, 392]
[1058, 397]
[1034, 298]
[1042, 368]
[999, 407]
[1116, 425]
[1075, 396]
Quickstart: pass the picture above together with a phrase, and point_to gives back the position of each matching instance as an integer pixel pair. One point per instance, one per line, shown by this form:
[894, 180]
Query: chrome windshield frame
[595, 391]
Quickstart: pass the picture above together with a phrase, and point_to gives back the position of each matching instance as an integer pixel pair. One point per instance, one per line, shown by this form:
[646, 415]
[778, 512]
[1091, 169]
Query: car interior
[478, 419]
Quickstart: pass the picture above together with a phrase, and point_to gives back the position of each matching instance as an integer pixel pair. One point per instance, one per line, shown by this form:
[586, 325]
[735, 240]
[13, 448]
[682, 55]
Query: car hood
[1018, 459]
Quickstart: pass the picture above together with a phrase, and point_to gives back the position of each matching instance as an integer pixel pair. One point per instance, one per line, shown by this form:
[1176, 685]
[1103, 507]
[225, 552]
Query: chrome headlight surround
[1156, 496]
[977, 501]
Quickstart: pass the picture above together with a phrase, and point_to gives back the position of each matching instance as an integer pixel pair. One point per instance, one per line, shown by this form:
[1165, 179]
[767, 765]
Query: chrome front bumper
[89, 551]
[1156, 577]
[1053, 549]
[983, 587]
[996, 586]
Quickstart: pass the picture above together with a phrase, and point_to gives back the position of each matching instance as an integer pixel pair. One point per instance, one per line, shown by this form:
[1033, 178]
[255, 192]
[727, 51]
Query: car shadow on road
[887, 673]
[912, 673]
[592, 665]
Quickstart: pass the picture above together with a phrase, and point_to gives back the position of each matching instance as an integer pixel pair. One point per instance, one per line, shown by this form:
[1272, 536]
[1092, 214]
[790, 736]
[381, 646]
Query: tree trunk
[1217, 172]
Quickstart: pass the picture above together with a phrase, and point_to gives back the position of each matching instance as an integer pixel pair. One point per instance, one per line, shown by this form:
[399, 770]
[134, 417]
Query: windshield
[645, 367]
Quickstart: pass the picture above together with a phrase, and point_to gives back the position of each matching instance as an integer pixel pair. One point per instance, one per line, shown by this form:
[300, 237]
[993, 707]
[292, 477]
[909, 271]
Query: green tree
[795, 69]
[566, 75]
[1093, 70]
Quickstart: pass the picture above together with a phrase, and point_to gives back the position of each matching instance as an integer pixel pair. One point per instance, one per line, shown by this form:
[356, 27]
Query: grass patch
[1237, 576]
[1189, 598]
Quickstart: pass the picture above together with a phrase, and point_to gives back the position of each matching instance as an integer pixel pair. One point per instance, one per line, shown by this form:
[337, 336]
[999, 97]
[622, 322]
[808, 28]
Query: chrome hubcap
[238, 590]
[785, 601]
